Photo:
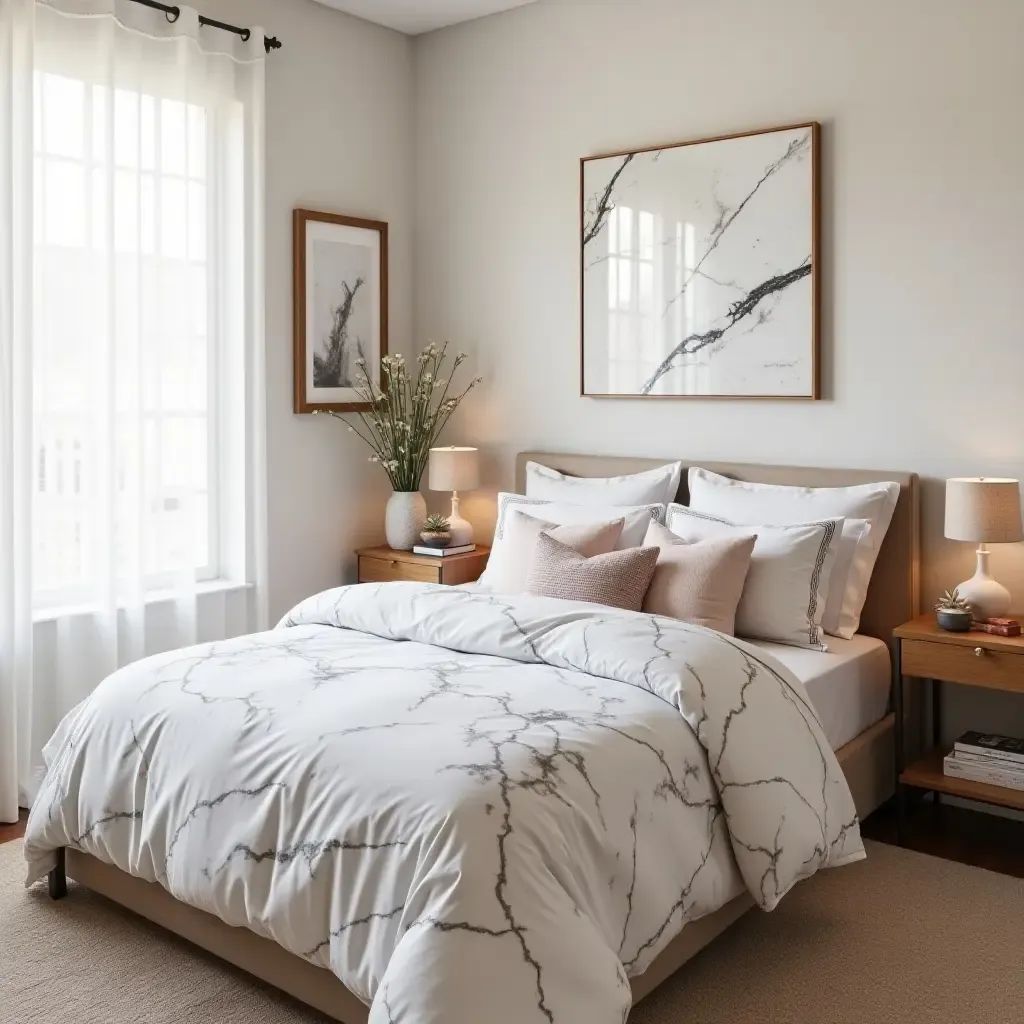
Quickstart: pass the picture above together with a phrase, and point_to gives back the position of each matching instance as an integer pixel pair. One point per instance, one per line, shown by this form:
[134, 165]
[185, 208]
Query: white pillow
[854, 532]
[659, 485]
[750, 503]
[636, 519]
[786, 588]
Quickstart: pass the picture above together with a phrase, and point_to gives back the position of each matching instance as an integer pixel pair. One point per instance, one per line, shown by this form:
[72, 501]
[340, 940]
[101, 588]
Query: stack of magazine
[987, 757]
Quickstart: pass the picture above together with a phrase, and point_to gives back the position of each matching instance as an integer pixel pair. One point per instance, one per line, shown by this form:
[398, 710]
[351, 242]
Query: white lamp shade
[454, 469]
[983, 509]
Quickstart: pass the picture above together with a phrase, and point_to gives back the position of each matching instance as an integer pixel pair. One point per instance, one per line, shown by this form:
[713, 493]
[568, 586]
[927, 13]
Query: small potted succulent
[953, 613]
[436, 532]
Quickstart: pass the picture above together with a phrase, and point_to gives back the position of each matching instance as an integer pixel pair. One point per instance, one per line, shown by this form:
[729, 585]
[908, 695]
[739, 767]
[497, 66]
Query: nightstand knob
[979, 652]
[394, 563]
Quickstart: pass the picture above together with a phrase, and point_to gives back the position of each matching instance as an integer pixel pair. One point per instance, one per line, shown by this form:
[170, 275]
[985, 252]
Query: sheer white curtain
[131, 350]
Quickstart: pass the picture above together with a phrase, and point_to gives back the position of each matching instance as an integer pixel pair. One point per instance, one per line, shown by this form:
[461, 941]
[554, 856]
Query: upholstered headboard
[894, 595]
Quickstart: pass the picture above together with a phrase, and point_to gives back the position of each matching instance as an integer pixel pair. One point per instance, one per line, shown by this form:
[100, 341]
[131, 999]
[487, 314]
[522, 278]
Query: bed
[428, 617]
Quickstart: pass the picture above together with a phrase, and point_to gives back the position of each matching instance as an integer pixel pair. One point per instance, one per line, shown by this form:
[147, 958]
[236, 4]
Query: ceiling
[416, 16]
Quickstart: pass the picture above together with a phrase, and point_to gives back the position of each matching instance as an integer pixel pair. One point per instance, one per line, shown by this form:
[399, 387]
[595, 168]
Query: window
[651, 277]
[127, 347]
[631, 296]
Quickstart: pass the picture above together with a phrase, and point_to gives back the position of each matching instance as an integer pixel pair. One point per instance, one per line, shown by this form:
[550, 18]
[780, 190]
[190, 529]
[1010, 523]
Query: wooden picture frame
[340, 307]
[736, 274]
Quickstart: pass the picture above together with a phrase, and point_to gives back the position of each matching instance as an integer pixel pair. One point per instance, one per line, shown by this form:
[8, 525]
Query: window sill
[52, 613]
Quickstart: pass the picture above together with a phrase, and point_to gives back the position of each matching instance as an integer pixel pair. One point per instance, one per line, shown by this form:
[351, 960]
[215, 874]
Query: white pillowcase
[636, 519]
[853, 533]
[786, 588]
[659, 485]
[751, 503]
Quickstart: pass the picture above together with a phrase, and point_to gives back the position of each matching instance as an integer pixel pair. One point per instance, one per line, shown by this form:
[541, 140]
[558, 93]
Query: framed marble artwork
[699, 268]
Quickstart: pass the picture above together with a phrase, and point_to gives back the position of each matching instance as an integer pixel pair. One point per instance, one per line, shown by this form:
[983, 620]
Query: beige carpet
[898, 938]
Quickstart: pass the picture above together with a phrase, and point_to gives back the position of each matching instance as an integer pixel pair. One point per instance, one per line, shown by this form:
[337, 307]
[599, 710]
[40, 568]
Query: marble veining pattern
[697, 265]
[467, 806]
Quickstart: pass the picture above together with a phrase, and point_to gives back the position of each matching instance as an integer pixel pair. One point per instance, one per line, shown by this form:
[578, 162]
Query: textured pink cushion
[699, 582]
[618, 579]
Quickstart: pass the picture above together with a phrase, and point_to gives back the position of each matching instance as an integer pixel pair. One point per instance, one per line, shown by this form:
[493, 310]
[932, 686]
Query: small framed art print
[340, 307]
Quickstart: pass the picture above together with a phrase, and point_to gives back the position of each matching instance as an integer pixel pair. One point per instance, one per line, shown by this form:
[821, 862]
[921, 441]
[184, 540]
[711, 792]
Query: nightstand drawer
[388, 570]
[995, 670]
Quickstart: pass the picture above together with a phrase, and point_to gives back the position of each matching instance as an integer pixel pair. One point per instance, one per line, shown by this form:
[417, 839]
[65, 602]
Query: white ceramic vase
[403, 519]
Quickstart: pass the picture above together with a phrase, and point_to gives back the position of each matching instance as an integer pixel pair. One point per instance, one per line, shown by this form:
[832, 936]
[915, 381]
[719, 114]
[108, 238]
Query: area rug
[901, 938]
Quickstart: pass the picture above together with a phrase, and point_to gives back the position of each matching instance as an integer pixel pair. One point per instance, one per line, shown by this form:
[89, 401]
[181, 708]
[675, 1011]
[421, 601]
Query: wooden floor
[9, 832]
[952, 833]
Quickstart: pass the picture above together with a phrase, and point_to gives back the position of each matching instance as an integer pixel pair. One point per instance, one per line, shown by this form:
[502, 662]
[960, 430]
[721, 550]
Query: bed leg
[58, 880]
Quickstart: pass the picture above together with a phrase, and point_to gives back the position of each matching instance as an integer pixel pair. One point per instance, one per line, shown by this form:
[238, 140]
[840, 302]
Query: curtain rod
[269, 42]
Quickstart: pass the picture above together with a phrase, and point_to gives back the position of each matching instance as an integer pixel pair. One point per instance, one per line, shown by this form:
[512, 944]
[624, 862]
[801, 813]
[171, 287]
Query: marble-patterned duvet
[469, 807]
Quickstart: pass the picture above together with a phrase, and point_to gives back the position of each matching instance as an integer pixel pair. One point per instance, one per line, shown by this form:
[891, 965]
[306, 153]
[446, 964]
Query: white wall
[923, 256]
[339, 138]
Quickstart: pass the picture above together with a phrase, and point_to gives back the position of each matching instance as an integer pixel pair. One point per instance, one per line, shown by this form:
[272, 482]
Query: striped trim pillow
[786, 587]
[618, 579]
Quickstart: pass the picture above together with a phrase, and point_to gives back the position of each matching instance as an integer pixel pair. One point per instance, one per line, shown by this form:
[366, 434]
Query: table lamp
[987, 510]
[455, 469]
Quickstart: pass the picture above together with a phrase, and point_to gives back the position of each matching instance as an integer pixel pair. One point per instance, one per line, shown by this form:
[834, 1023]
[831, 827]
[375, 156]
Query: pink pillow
[699, 582]
[509, 564]
[618, 579]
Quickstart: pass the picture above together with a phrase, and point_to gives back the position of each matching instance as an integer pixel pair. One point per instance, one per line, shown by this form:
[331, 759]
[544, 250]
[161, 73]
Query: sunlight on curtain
[135, 337]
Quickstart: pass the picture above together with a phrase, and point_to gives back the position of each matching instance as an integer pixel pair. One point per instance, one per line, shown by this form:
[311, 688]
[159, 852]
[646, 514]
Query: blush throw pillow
[636, 519]
[699, 582]
[618, 579]
[509, 563]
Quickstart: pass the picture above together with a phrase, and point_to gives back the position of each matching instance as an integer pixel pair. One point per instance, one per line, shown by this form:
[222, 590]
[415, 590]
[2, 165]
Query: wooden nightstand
[385, 565]
[922, 650]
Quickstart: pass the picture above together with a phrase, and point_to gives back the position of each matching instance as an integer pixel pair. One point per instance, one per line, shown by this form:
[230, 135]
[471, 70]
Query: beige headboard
[894, 595]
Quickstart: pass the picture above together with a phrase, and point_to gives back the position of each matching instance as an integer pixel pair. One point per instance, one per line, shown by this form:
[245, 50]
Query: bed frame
[867, 760]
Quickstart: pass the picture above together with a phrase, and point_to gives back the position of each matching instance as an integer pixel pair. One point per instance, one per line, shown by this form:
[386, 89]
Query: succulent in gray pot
[436, 532]
[953, 613]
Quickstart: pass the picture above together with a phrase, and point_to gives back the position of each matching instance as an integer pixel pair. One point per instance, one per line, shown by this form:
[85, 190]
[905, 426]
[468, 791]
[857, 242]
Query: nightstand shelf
[923, 651]
[385, 565]
[927, 774]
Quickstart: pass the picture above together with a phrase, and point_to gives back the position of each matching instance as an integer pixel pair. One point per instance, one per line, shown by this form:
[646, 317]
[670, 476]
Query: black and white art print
[340, 308]
[698, 268]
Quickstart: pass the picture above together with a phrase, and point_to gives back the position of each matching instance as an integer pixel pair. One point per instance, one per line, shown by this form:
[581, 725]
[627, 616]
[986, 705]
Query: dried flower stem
[404, 418]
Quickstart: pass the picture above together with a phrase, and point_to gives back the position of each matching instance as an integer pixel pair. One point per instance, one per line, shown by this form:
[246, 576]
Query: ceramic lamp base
[461, 530]
[986, 597]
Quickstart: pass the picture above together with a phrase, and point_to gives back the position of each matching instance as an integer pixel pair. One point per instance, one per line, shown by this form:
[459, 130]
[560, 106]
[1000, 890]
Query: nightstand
[385, 565]
[923, 651]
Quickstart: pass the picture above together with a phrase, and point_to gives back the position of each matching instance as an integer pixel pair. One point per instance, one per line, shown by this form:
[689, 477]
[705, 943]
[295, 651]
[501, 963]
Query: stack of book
[987, 757]
[459, 549]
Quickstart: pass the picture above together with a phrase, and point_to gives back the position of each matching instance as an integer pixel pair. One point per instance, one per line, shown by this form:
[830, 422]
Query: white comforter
[498, 820]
